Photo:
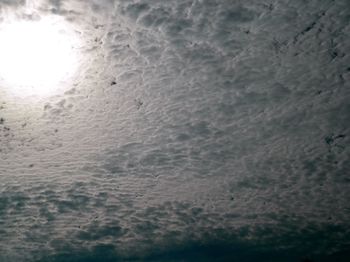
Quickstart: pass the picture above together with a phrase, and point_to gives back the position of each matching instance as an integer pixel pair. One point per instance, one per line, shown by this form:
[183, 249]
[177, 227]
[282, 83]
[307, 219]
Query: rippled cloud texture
[197, 130]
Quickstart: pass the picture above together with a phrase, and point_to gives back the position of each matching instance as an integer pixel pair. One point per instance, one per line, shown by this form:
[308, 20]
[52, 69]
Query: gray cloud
[12, 2]
[196, 130]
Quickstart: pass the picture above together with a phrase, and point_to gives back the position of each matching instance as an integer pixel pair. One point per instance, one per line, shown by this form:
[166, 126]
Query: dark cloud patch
[229, 249]
[96, 232]
[173, 231]
[12, 2]
[106, 253]
[234, 16]
[56, 6]
[13, 202]
[135, 10]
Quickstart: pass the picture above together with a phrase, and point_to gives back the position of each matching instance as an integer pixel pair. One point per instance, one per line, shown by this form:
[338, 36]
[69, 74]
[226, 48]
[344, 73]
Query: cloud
[12, 2]
[196, 130]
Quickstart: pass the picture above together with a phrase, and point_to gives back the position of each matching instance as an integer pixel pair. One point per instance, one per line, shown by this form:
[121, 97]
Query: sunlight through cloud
[37, 57]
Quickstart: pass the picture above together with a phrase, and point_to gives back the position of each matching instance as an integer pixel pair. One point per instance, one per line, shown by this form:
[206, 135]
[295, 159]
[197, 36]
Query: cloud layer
[195, 130]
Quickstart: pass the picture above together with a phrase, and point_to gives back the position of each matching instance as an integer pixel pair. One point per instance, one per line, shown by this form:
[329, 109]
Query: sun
[37, 57]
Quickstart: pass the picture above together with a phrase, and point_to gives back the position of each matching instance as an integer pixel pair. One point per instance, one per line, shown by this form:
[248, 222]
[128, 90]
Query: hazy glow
[37, 57]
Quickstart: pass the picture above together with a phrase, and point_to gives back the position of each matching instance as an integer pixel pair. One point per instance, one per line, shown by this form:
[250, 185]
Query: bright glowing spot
[37, 57]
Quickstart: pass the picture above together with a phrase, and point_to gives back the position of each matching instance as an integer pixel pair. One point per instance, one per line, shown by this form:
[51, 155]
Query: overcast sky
[195, 130]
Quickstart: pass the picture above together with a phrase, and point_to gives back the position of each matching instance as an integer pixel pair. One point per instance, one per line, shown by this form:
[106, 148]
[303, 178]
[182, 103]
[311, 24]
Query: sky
[192, 130]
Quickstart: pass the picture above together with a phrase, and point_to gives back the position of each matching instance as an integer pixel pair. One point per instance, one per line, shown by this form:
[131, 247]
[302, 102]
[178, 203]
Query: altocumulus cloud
[196, 130]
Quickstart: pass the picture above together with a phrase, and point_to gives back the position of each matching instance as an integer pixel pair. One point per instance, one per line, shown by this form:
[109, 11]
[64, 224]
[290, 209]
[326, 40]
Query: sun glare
[37, 57]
